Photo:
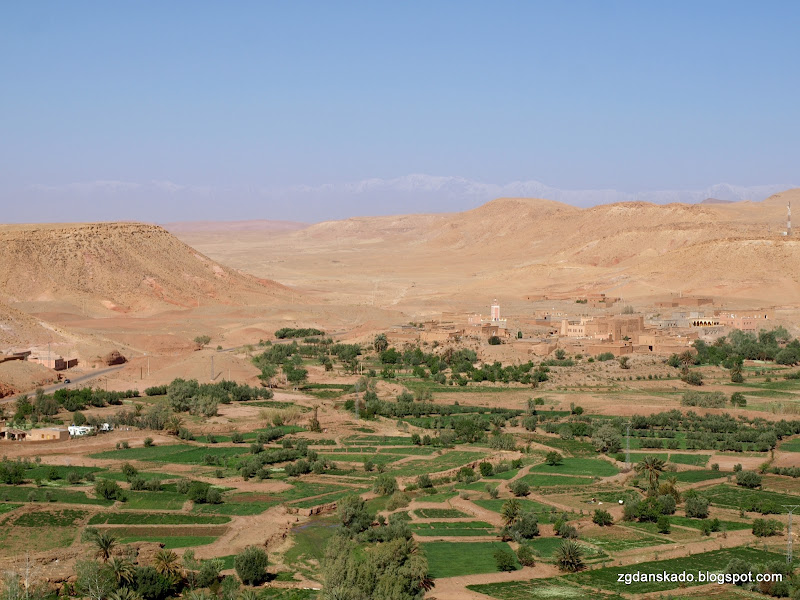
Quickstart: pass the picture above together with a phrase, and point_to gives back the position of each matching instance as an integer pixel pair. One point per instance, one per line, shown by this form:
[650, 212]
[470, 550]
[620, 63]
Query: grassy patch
[188, 541]
[310, 540]
[543, 480]
[738, 497]
[116, 518]
[154, 501]
[539, 589]
[16, 541]
[4, 507]
[437, 497]
[452, 559]
[161, 453]
[546, 547]
[695, 476]
[450, 528]
[544, 512]
[697, 460]
[46, 518]
[717, 560]
[440, 463]
[439, 513]
[594, 467]
[23, 494]
[790, 445]
[617, 539]
[569, 447]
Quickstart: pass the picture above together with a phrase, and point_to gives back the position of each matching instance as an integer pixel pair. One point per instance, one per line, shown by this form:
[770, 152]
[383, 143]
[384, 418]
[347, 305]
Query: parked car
[67, 381]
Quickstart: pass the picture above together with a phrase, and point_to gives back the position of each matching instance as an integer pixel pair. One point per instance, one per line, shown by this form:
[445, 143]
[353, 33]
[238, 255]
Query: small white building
[80, 430]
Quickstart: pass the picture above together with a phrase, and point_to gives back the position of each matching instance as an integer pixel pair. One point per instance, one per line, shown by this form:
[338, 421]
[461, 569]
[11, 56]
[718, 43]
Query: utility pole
[148, 367]
[628, 445]
[791, 508]
[212, 367]
[357, 401]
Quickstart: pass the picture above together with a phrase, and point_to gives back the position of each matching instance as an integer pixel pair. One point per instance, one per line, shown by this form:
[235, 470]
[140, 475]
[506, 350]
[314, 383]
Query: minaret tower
[495, 311]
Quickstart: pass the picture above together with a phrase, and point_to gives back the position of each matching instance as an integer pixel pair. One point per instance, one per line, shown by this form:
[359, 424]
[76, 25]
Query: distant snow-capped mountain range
[441, 193]
[416, 193]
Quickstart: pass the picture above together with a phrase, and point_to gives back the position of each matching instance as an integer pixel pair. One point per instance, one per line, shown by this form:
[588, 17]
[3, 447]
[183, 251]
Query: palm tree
[569, 556]
[173, 424]
[103, 541]
[736, 373]
[166, 563]
[124, 594]
[686, 358]
[381, 343]
[510, 512]
[123, 571]
[653, 466]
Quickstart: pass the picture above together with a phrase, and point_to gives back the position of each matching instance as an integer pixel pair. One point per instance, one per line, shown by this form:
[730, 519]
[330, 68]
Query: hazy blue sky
[309, 110]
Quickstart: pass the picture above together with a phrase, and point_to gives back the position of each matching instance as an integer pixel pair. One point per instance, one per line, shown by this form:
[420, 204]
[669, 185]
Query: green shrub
[767, 527]
[525, 556]
[251, 565]
[748, 479]
[505, 560]
[663, 524]
[602, 517]
[519, 488]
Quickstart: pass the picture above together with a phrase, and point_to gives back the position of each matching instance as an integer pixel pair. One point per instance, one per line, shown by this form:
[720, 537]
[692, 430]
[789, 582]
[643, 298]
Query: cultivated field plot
[440, 513]
[546, 547]
[619, 539]
[115, 518]
[792, 445]
[697, 476]
[454, 529]
[592, 467]
[540, 589]
[451, 559]
[606, 579]
[740, 498]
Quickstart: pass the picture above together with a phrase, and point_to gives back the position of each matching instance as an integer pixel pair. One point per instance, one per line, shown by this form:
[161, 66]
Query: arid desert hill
[518, 246]
[116, 268]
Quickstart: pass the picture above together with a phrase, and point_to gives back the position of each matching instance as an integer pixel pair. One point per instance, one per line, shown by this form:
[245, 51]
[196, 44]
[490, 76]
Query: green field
[437, 497]
[20, 493]
[790, 445]
[540, 589]
[607, 578]
[618, 539]
[440, 513]
[709, 561]
[544, 512]
[116, 518]
[55, 518]
[449, 528]
[696, 460]
[160, 453]
[542, 480]
[695, 476]
[546, 547]
[451, 559]
[593, 467]
[569, 447]
[154, 501]
[309, 544]
[444, 462]
[44, 472]
[738, 497]
[171, 542]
